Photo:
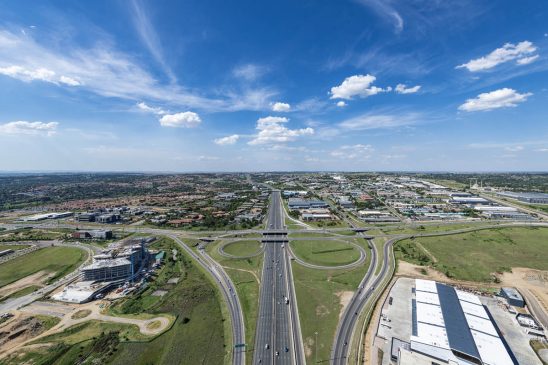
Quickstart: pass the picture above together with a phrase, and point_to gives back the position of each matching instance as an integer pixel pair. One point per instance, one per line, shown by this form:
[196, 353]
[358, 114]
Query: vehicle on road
[266, 346]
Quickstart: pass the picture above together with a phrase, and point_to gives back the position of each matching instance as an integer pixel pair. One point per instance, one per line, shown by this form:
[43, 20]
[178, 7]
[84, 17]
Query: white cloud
[506, 53]
[272, 130]
[357, 85]
[403, 89]
[29, 128]
[227, 140]
[182, 120]
[352, 152]
[149, 109]
[249, 72]
[377, 121]
[40, 74]
[281, 107]
[341, 104]
[527, 60]
[542, 150]
[502, 98]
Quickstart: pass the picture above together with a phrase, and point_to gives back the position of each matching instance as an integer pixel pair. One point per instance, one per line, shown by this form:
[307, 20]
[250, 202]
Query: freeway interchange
[278, 338]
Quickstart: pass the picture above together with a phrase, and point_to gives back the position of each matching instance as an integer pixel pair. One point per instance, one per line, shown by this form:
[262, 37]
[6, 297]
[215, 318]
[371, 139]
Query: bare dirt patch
[19, 331]
[37, 279]
[321, 310]
[154, 325]
[308, 343]
[536, 281]
[344, 298]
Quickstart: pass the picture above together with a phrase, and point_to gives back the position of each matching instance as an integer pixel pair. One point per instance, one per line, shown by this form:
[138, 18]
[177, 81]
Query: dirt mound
[20, 331]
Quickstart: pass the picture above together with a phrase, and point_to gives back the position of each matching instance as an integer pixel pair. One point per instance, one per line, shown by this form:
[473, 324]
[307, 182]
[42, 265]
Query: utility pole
[316, 346]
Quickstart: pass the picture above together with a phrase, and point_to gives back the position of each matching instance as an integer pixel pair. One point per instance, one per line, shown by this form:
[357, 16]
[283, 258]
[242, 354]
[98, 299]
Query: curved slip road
[229, 293]
[351, 265]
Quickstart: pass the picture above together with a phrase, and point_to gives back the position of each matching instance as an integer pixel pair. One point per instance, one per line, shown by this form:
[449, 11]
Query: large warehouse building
[450, 326]
[533, 198]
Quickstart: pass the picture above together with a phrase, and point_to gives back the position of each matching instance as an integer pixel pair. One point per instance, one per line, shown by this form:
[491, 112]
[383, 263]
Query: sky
[309, 85]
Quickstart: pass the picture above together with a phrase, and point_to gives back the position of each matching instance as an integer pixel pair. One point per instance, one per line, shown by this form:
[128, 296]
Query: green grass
[474, 256]
[243, 273]
[242, 248]
[199, 324]
[58, 260]
[32, 235]
[197, 335]
[433, 228]
[12, 247]
[20, 293]
[319, 305]
[89, 329]
[48, 321]
[327, 253]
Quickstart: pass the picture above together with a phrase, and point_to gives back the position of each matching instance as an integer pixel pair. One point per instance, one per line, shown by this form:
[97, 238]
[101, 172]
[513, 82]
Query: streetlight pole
[316, 347]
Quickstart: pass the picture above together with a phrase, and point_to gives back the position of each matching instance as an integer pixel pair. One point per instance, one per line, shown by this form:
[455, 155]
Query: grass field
[326, 253]
[245, 274]
[20, 293]
[243, 248]
[318, 299]
[196, 336]
[12, 247]
[58, 260]
[199, 324]
[475, 256]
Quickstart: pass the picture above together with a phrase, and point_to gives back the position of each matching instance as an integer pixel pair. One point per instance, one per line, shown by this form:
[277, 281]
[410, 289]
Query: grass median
[326, 252]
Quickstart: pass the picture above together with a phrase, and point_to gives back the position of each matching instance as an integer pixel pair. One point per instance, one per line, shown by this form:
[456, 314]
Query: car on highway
[266, 346]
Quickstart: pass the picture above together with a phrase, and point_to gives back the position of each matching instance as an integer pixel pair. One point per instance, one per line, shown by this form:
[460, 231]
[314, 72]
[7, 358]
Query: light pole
[316, 347]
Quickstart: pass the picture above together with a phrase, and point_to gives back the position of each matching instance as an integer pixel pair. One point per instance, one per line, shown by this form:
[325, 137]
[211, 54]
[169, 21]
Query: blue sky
[207, 85]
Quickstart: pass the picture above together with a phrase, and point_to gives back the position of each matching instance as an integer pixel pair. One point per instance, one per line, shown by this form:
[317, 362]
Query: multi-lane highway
[278, 336]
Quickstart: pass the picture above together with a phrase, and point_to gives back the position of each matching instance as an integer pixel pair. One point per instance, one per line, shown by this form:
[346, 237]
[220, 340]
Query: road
[229, 293]
[278, 337]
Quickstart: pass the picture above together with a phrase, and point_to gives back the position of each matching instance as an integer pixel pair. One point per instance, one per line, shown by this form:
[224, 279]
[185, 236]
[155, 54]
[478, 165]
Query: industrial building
[296, 203]
[470, 200]
[86, 217]
[102, 234]
[450, 326]
[532, 198]
[501, 212]
[513, 297]
[41, 217]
